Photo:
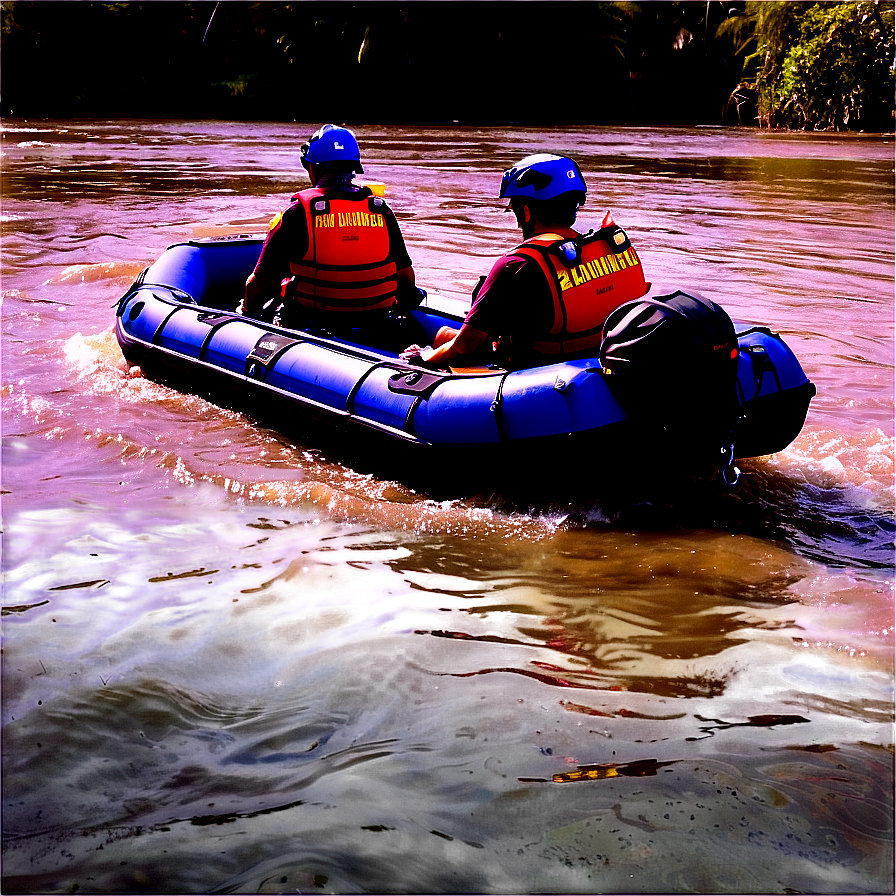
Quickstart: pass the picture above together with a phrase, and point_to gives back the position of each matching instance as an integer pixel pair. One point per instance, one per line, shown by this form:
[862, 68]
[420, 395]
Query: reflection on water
[231, 663]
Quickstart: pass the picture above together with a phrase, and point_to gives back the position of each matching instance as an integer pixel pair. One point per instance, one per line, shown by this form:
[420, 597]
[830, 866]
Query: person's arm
[259, 289]
[461, 344]
[272, 266]
[397, 248]
[490, 299]
[408, 294]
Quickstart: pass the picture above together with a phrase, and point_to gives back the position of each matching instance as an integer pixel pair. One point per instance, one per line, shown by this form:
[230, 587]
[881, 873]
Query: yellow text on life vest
[349, 219]
[599, 267]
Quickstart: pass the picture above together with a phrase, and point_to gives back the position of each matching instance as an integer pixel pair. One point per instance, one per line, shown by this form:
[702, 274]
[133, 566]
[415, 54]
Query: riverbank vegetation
[802, 65]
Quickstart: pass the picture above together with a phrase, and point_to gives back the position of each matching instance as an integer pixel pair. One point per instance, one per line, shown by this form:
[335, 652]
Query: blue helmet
[332, 143]
[543, 176]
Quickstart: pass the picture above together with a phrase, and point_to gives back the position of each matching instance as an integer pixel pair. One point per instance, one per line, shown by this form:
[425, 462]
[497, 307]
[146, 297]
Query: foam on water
[343, 493]
[861, 465]
[854, 470]
[90, 273]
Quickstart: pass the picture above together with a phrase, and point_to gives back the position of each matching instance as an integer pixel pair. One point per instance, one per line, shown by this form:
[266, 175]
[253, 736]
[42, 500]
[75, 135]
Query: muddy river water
[232, 663]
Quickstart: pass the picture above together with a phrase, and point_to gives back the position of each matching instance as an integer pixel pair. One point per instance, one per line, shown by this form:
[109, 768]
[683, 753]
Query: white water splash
[91, 273]
[861, 464]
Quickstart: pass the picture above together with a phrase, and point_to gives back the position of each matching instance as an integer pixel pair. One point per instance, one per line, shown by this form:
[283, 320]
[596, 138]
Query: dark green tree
[839, 75]
[821, 66]
[675, 62]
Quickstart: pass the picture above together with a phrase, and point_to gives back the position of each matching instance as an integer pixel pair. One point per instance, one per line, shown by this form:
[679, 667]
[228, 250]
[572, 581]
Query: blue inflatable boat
[178, 322]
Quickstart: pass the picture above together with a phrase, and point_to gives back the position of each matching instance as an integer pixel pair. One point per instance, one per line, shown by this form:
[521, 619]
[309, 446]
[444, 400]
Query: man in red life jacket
[547, 299]
[335, 256]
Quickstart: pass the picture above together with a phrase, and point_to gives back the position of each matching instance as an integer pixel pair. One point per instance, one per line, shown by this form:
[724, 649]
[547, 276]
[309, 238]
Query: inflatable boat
[179, 324]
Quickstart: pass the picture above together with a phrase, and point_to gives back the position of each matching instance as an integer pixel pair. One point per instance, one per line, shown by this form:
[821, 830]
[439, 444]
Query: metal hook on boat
[730, 473]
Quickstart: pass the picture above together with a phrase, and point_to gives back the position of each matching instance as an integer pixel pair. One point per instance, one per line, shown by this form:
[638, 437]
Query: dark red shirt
[513, 305]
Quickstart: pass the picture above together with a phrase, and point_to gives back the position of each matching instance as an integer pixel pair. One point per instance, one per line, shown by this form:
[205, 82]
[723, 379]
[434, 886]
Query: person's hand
[411, 353]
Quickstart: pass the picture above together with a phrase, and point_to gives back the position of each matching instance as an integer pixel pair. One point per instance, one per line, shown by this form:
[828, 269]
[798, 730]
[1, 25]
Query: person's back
[587, 276]
[335, 257]
[547, 299]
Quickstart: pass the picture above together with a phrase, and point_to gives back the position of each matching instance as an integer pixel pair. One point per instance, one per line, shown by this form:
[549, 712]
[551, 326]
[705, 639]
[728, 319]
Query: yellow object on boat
[376, 188]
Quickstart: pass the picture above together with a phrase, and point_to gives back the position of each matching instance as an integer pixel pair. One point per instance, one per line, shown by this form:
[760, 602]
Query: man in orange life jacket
[335, 256]
[547, 299]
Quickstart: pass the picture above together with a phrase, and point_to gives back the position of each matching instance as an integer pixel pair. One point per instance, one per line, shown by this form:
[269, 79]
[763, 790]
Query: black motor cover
[672, 362]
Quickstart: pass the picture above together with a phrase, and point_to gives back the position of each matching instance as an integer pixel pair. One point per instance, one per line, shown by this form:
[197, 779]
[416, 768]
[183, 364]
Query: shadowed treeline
[651, 63]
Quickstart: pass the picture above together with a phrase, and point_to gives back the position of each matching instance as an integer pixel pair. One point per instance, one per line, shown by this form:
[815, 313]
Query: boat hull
[177, 323]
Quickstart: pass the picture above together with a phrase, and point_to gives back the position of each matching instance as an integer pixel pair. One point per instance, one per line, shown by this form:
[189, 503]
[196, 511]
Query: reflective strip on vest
[584, 292]
[348, 265]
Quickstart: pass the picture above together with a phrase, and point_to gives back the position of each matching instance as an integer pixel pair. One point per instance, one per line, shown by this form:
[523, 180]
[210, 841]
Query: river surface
[232, 663]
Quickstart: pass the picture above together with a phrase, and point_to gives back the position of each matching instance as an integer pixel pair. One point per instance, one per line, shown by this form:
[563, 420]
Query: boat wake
[117, 271]
[829, 494]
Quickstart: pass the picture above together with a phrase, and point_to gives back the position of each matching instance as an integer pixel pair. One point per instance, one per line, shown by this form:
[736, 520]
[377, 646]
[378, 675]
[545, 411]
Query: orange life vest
[348, 265]
[589, 277]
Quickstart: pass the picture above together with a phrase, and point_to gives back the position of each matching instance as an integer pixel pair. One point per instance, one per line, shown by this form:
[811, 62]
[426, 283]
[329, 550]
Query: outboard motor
[672, 362]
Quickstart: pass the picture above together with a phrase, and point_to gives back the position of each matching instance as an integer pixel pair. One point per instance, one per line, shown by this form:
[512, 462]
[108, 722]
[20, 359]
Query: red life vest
[348, 265]
[589, 277]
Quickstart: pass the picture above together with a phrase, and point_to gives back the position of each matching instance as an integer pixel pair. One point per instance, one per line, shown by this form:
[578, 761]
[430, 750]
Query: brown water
[233, 664]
